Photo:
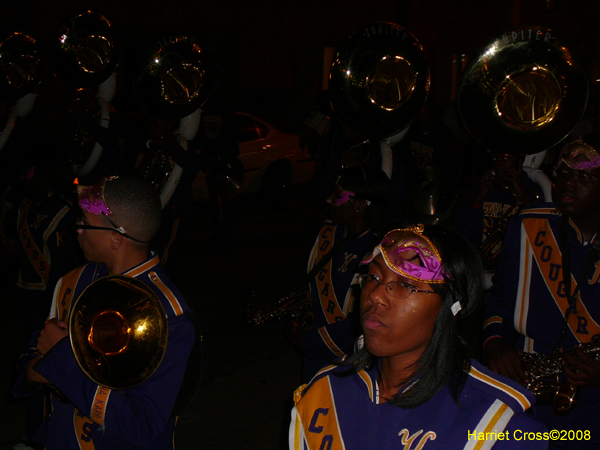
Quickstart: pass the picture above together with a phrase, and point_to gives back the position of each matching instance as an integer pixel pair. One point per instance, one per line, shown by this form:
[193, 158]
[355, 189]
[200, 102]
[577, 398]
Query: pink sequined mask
[409, 253]
[579, 156]
[91, 198]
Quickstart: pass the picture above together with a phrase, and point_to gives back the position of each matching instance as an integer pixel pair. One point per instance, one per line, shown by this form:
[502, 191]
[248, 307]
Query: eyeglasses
[580, 175]
[120, 230]
[397, 289]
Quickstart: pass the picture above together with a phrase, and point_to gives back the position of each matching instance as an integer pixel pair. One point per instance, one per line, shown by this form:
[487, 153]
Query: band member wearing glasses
[410, 382]
[119, 217]
[546, 292]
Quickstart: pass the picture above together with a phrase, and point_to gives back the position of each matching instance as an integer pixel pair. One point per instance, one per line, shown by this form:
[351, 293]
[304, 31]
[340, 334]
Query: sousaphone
[177, 79]
[523, 92]
[378, 84]
[22, 65]
[85, 53]
[118, 331]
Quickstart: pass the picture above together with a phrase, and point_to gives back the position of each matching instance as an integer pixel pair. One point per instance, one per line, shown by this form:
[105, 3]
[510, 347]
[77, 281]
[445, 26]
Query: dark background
[271, 62]
[272, 53]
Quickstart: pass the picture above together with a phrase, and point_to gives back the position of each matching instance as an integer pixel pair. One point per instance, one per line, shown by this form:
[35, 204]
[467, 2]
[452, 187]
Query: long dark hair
[446, 358]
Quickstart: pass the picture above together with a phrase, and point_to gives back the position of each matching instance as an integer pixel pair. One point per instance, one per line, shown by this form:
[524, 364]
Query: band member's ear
[116, 241]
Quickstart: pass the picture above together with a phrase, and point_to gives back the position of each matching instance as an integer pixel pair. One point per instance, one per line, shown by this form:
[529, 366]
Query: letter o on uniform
[546, 253]
[327, 442]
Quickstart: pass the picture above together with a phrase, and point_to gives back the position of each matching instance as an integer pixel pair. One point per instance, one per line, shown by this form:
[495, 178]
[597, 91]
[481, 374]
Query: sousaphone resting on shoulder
[521, 94]
[177, 79]
[378, 83]
[85, 53]
[22, 68]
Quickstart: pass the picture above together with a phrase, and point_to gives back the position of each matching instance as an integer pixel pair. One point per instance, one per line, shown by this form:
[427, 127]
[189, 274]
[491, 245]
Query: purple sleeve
[22, 387]
[138, 414]
[500, 300]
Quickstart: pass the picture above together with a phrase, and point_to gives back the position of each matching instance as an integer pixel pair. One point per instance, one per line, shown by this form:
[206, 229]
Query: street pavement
[250, 373]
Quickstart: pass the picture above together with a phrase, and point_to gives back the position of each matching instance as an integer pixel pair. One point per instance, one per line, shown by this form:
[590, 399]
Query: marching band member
[410, 379]
[120, 216]
[357, 207]
[545, 294]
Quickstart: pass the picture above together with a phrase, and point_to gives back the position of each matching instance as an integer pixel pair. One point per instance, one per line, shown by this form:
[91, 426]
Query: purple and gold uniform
[343, 412]
[527, 303]
[89, 416]
[49, 246]
[333, 297]
[475, 222]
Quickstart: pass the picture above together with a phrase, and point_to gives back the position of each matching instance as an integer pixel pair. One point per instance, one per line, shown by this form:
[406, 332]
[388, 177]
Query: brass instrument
[177, 80]
[86, 51]
[546, 377]
[379, 80]
[492, 245]
[22, 65]
[118, 331]
[297, 306]
[378, 84]
[523, 92]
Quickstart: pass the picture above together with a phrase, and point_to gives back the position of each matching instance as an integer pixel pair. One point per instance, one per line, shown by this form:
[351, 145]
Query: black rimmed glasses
[120, 230]
[397, 289]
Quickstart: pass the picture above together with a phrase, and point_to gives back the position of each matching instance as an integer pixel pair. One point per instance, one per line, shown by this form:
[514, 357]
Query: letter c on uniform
[538, 239]
[313, 428]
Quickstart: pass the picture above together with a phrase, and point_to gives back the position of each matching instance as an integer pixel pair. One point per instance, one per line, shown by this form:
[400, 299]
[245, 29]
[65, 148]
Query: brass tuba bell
[22, 65]
[379, 80]
[118, 331]
[523, 92]
[86, 51]
[177, 80]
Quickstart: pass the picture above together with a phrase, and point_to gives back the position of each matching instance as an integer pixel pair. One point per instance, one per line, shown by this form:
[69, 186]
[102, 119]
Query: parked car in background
[272, 160]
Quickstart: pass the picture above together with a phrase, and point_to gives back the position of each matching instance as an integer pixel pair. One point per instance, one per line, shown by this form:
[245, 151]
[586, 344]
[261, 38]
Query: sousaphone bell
[378, 84]
[177, 79]
[118, 331]
[523, 93]
[85, 53]
[379, 80]
[22, 66]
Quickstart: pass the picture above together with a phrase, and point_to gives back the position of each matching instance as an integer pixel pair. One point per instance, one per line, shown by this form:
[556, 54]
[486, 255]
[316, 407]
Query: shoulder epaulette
[518, 399]
[540, 209]
[298, 393]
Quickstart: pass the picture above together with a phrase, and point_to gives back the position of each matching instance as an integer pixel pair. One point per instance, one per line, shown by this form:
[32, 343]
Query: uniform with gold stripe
[526, 306]
[343, 413]
[333, 297]
[88, 416]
